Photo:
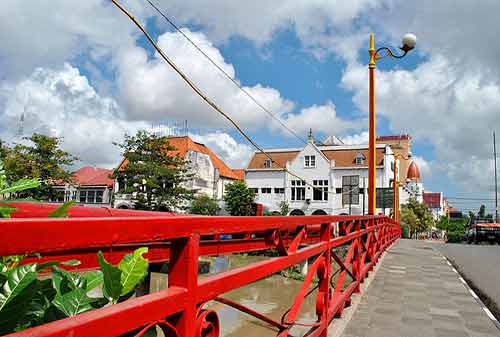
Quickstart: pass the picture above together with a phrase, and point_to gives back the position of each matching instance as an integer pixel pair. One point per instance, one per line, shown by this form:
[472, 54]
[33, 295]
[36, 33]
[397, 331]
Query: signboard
[384, 197]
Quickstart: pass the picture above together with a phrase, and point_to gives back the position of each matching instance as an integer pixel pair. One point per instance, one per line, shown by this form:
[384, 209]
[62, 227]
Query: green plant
[204, 205]
[39, 157]
[238, 199]
[27, 300]
[153, 173]
[284, 208]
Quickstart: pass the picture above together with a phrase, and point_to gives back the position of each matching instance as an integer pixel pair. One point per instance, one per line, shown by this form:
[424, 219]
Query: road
[479, 265]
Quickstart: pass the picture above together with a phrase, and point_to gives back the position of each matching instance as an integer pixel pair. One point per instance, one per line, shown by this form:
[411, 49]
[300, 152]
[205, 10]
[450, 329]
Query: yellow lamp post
[409, 42]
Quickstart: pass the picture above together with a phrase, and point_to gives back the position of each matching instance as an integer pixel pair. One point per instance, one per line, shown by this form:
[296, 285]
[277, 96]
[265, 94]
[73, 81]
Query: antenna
[20, 125]
[496, 181]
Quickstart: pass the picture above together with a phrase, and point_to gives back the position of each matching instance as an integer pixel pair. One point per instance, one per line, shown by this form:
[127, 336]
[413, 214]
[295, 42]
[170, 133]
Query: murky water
[271, 296]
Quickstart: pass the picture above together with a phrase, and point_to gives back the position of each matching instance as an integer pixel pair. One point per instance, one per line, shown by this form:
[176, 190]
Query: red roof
[93, 176]
[432, 199]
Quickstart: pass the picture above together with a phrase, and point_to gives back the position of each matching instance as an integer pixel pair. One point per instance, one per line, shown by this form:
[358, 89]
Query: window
[360, 159]
[265, 190]
[279, 190]
[91, 196]
[58, 196]
[320, 192]
[255, 190]
[309, 161]
[338, 190]
[350, 190]
[298, 190]
[268, 163]
[99, 196]
[83, 196]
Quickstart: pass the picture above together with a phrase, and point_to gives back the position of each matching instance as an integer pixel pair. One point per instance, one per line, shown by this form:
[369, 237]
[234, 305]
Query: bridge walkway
[417, 293]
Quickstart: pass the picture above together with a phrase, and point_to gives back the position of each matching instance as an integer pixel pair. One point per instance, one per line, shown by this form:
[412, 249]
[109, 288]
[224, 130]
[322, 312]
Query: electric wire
[238, 85]
[212, 104]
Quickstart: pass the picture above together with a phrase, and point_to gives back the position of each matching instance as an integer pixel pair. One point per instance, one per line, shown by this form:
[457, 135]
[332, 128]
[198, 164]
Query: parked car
[479, 230]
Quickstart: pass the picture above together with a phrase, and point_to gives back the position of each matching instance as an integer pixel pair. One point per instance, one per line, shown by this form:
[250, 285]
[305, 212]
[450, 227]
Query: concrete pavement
[416, 293]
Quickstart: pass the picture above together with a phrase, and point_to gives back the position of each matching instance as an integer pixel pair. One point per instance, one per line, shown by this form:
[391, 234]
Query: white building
[338, 172]
[90, 186]
[211, 174]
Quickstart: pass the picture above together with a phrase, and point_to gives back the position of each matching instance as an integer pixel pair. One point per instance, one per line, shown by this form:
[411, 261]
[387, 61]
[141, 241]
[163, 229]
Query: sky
[82, 71]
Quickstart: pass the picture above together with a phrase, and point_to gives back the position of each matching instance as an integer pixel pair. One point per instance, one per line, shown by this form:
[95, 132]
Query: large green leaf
[62, 211]
[15, 296]
[112, 279]
[94, 279]
[5, 211]
[48, 264]
[74, 302]
[21, 185]
[39, 304]
[134, 268]
[64, 281]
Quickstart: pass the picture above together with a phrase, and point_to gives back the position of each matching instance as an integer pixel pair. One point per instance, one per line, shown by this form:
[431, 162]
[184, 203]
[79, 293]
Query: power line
[239, 86]
[212, 104]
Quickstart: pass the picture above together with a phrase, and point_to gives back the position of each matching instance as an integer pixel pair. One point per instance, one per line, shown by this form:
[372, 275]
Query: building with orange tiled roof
[335, 174]
[91, 186]
[211, 174]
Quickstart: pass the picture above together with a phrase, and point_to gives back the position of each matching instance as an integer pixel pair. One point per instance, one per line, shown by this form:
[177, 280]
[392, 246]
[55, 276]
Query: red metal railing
[181, 240]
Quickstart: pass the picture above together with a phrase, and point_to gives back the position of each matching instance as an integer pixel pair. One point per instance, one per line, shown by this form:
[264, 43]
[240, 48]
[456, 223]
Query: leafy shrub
[204, 205]
[27, 300]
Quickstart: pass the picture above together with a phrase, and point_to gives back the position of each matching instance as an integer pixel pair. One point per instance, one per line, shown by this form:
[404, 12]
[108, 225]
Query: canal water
[271, 296]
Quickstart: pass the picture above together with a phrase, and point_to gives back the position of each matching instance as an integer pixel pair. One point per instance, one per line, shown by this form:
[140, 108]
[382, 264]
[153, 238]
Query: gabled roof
[343, 156]
[185, 143]
[93, 176]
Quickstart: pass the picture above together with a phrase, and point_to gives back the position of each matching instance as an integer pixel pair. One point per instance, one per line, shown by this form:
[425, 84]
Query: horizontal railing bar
[42, 235]
[215, 285]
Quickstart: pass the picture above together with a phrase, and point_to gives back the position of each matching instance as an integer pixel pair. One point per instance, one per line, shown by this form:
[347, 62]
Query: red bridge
[181, 240]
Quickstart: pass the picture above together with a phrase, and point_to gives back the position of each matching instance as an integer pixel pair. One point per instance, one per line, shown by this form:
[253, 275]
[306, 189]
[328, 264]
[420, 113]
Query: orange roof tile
[92, 176]
[342, 157]
[184, 144]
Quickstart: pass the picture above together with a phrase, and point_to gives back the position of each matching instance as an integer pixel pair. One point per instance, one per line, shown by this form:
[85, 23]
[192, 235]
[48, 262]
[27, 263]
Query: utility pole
[496, 181]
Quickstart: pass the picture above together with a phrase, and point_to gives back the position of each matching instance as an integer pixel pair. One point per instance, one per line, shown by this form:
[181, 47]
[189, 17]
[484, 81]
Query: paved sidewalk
[416, 293]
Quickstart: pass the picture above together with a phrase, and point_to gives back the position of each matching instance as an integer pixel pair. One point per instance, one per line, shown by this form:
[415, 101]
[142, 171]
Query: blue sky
[87, 75]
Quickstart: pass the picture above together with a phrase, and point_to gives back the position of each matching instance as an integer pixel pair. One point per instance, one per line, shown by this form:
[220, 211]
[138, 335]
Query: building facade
[211, 174]
[336, 178]
[90, 186]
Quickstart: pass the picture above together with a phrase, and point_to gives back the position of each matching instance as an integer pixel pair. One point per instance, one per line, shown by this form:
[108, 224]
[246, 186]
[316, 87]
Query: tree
[482, 212]
[204, 205]
[42, 159]
[154, 176]
[416, 216]
[239, 199]
[284, 208]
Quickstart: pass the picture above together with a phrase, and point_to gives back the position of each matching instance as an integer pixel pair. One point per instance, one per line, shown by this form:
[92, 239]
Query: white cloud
[234, 154]
[150, 89]
[356, 139]
[60, 102]
[423, 166]
[259, 20]
[322, 118]
[46, 33]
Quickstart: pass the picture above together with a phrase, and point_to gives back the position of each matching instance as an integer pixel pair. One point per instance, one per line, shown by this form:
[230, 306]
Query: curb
[474, 295]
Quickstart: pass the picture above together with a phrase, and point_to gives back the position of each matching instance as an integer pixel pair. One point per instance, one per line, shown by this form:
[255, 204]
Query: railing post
[183, 272]
[324, 283]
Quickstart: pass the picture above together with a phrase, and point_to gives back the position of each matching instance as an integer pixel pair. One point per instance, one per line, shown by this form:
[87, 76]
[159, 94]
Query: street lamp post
[409, 42]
